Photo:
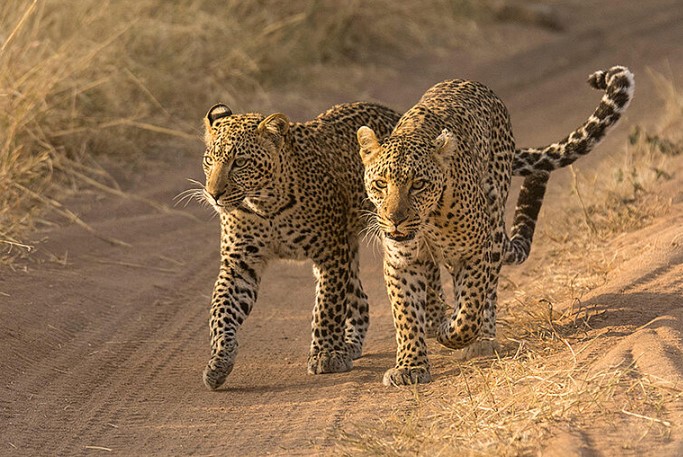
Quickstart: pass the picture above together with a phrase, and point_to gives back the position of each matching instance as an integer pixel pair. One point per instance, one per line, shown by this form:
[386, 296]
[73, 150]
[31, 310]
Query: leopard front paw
[446, 335]
[329, 362]
[407, 376]
[218, 369]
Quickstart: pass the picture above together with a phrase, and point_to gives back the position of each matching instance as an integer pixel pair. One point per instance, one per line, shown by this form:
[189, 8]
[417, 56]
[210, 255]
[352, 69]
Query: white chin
[402, 252]
[220, 209]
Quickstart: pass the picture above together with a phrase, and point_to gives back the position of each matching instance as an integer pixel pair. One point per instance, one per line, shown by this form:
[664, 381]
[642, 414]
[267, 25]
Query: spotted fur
[293, 191]
[439, 184]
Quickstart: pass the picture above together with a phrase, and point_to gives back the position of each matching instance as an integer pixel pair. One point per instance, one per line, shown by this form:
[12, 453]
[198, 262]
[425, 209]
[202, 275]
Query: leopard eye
[239, 162]
[418, 184]
[379, 184]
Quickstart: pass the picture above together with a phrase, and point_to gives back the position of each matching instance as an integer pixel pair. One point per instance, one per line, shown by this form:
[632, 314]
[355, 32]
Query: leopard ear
[444, 144]
[276, 126]
[369, 146]
[216, 112]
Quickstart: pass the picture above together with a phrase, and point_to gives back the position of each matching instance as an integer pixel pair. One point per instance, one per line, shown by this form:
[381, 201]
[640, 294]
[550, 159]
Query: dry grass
[513, 404]
[543, 382]
[125, 79]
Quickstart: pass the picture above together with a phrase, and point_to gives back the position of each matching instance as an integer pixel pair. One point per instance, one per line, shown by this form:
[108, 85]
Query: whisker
[371, 227]
[188, 195]
[377, 245]
[185, 193]
[372, 234]
[188, 192]
[194, 181]
[368, 235]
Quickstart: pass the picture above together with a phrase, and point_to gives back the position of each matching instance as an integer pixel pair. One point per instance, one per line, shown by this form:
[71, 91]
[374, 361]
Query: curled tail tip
[602, 79]
[597, 80]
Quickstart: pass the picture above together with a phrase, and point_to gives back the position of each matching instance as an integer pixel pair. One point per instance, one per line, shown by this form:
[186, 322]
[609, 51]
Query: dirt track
[102, 348]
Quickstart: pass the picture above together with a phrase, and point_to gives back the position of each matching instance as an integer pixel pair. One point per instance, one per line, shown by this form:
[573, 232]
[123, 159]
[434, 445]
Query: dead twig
[133, 265]
[652, 419]
[99, 448]
[575, 187]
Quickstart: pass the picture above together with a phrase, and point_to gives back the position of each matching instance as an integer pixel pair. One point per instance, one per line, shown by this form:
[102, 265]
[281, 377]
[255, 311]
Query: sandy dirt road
[102, 347]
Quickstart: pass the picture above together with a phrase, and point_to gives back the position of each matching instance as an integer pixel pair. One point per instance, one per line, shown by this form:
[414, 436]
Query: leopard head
[404, 178]
[242, 155]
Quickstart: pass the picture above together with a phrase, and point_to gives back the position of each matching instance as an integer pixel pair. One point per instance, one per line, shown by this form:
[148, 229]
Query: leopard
[439, 184]
[289, 190]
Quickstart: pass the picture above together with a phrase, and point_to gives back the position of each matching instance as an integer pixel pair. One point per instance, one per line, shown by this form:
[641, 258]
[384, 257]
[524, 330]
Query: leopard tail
[536, 164]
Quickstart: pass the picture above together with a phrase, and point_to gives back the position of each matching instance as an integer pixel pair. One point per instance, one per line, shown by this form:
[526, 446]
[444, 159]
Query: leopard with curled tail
[439, 184]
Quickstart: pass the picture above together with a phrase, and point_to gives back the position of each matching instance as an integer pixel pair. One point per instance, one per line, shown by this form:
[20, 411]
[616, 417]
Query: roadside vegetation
[123, 79]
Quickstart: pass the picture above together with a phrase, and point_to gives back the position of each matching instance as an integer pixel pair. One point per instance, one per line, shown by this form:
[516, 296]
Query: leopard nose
[216, 194]
[398, 220]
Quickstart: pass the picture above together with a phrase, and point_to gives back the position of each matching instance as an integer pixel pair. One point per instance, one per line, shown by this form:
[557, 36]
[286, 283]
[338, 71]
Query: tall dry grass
[123, 78]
